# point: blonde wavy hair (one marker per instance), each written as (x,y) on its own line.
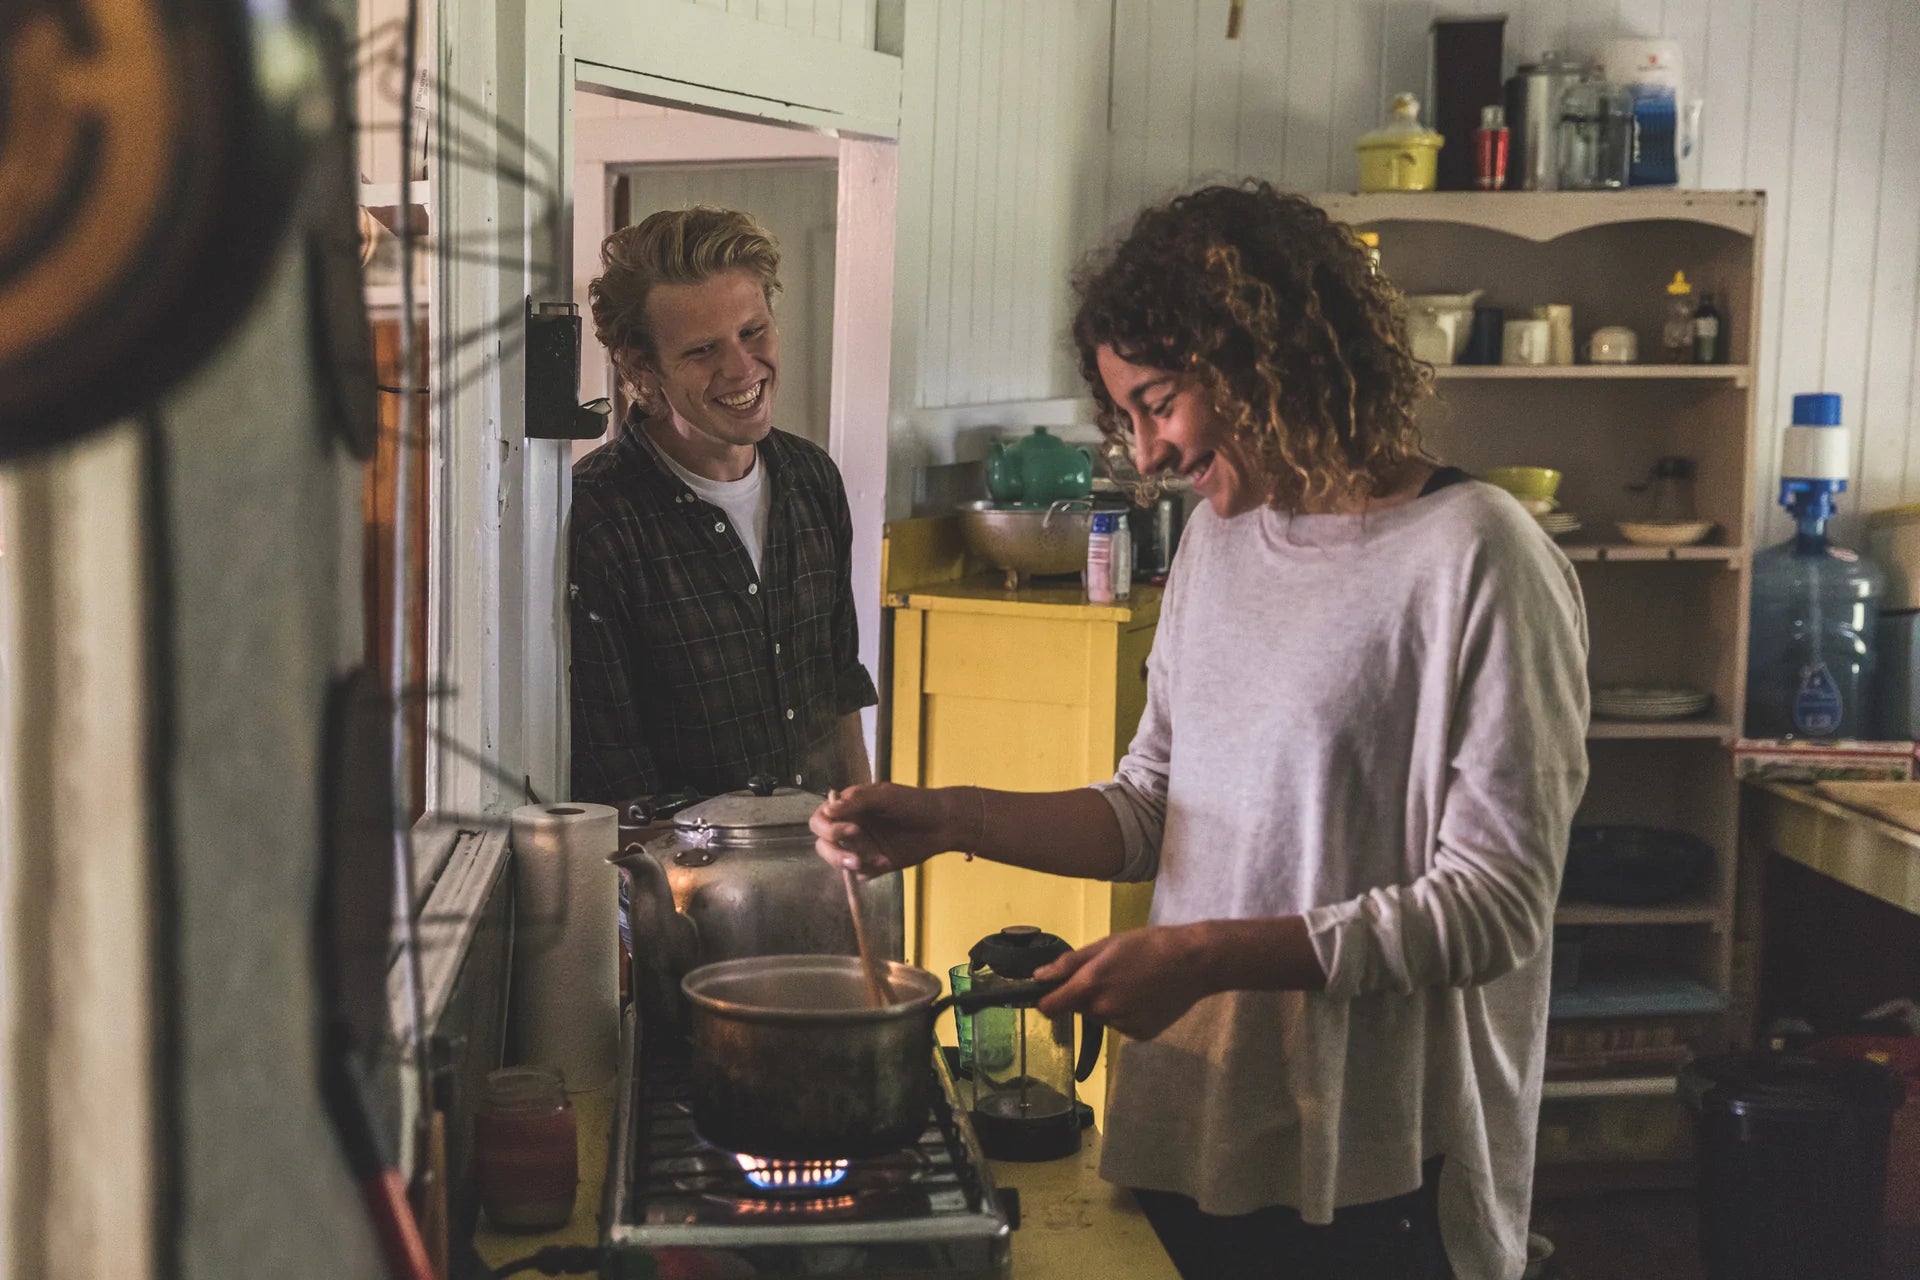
(673,246)
(1274,308)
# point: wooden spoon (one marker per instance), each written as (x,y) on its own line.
(879,993)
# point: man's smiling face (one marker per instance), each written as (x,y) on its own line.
(717,357)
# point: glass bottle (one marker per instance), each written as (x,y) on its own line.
(526,1149)
(1708,347)
(1669,492)
(1676,333)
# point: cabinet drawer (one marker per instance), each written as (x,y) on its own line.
(1009,659)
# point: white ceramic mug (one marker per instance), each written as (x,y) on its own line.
(1614,344)
(1526,342)
(1559,318)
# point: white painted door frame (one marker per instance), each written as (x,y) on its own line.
(499,565)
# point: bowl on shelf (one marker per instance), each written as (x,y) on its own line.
(1023,539)
(1630,866)
(1665,533)
(1529,484)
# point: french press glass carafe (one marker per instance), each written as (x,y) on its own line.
(1024,1065)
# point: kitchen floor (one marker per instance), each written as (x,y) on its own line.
(1653,1235)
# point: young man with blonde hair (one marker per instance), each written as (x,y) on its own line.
(713,623)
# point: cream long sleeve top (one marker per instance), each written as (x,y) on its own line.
(1377,722)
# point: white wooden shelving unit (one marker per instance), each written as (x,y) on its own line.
(1657,616)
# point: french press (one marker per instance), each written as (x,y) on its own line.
(1024,1065)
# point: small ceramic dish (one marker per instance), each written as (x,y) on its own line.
(1676,533)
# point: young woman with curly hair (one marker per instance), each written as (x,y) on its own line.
(1352,784)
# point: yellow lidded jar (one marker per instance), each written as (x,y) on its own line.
(1402,156)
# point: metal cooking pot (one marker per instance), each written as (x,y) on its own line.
(732,877)
(790,1062)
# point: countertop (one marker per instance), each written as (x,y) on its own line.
(987,593)
(1856,848)
(1072,1224)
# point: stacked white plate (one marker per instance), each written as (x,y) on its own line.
(1634,702)
(1559,524)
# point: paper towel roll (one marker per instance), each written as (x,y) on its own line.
(565,1005)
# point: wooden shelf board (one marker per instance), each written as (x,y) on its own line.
(1593,913)
(1739,375)
(1591,552)
(1546,215)
(1608,1087)
(1643,996)
(1692,727)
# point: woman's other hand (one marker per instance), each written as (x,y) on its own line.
(880,827)
(1139,982)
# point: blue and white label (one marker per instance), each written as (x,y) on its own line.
(1816,702)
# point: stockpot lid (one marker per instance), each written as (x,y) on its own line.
(1017,951)
(760,811)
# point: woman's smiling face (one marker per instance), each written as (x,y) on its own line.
(1177,431)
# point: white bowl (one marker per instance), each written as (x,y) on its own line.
(1674,533)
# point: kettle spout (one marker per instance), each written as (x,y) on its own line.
(660,939)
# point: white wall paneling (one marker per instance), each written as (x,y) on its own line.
(1805,99)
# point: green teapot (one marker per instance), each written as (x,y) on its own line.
(1040,468)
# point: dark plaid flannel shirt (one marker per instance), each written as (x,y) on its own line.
(688,669)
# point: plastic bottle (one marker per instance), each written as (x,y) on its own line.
(1100,558)
(1676,335)
(1810,654)
(1122,557)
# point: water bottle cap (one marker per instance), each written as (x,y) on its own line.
(1105,522)
(1819,409)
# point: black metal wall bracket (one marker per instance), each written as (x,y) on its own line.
(554,411)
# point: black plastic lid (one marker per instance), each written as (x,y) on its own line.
(1789,1084)
(1017,951)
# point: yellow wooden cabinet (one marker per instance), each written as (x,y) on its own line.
(1031,690)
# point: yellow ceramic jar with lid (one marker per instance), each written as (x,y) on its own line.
(1402,156)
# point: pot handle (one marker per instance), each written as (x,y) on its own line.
(1016,995)
(1091,1032)
(1013,995)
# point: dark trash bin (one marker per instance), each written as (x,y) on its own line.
(1793,1158)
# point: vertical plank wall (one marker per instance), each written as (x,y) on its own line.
(841,21)
(1018,151)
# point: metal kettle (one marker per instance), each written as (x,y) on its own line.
(737,876)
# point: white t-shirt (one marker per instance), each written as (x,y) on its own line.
(1378,723)
(746,501)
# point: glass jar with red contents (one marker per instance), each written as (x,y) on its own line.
(526,1149)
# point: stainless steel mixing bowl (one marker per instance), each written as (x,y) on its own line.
(1021,539)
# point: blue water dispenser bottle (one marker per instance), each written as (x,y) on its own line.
(1810,655)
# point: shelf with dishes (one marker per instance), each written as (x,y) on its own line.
(1738,375)
(1708,727)
(1642,1086)
(1592,914)
(1637,553)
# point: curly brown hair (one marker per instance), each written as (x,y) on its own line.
(1276,310)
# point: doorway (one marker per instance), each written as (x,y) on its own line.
(632,159)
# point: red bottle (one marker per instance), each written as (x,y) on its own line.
(1490,149)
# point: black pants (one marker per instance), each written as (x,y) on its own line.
(1397,1239)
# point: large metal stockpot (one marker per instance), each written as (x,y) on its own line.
(733,877)
(791,1062)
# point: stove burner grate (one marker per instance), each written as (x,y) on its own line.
(678,1176)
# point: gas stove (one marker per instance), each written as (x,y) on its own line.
(926,1212)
